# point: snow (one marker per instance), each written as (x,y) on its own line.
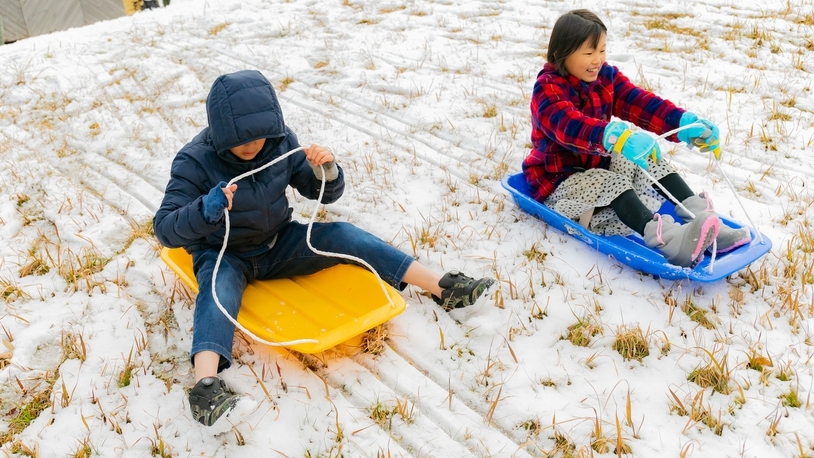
(403,92)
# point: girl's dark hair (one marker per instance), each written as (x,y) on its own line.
(570,31)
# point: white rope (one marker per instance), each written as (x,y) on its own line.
(341,255)
(671,197)
(307,239)
(752,224)
(663,189)
(737,197)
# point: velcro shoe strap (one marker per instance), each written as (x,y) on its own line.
(617,147)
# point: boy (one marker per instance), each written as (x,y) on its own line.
(246,131)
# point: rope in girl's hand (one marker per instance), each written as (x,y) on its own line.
(672,198)
(726,178)
(308,241)
(720,170)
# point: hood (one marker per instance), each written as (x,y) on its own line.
(242,107)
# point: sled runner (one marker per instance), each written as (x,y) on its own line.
(330,306)
(632,251)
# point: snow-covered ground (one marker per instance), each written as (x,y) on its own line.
(426,105)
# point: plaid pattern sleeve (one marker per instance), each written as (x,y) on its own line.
(643,108)
(568,120)
(567,128)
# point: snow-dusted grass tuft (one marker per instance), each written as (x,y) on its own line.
(631,343)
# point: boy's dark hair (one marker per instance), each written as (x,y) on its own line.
(570,31)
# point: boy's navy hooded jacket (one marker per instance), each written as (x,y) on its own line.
(241,107)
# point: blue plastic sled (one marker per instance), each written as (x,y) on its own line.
(632,251)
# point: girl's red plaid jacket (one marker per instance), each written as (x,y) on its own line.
(568,119)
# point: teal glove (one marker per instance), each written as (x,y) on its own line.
(705,136)
(634,146)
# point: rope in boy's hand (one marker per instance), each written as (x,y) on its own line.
(326,171)
(308,241)
(214,204)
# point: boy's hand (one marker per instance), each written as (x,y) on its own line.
(219,199)
(319,155)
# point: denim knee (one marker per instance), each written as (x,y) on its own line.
(389,262)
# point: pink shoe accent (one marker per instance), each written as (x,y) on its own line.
(737,244)
(659,223)
(713,224)
(710,206)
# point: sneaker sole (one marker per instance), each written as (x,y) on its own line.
(709,231)
(462,313)
(244,407)
(735,245)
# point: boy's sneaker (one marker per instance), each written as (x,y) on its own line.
(458,290)
(210,399)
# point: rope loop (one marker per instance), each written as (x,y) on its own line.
(308,241)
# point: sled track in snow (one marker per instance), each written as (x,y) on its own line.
(389,381)
(397,131)
(131,76)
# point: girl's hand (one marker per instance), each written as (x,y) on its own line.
(703,134)
(634,146)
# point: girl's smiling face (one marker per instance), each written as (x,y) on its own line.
(585,62)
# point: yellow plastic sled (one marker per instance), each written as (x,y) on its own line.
(330,306)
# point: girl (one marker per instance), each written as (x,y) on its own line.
(583,162)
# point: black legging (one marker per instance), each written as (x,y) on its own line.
(632,211)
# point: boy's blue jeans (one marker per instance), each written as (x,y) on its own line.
(290,256)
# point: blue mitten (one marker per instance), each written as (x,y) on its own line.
(704,134)
(215,203)
(634,146)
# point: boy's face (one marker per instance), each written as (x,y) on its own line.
(585,62)
(248,151)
